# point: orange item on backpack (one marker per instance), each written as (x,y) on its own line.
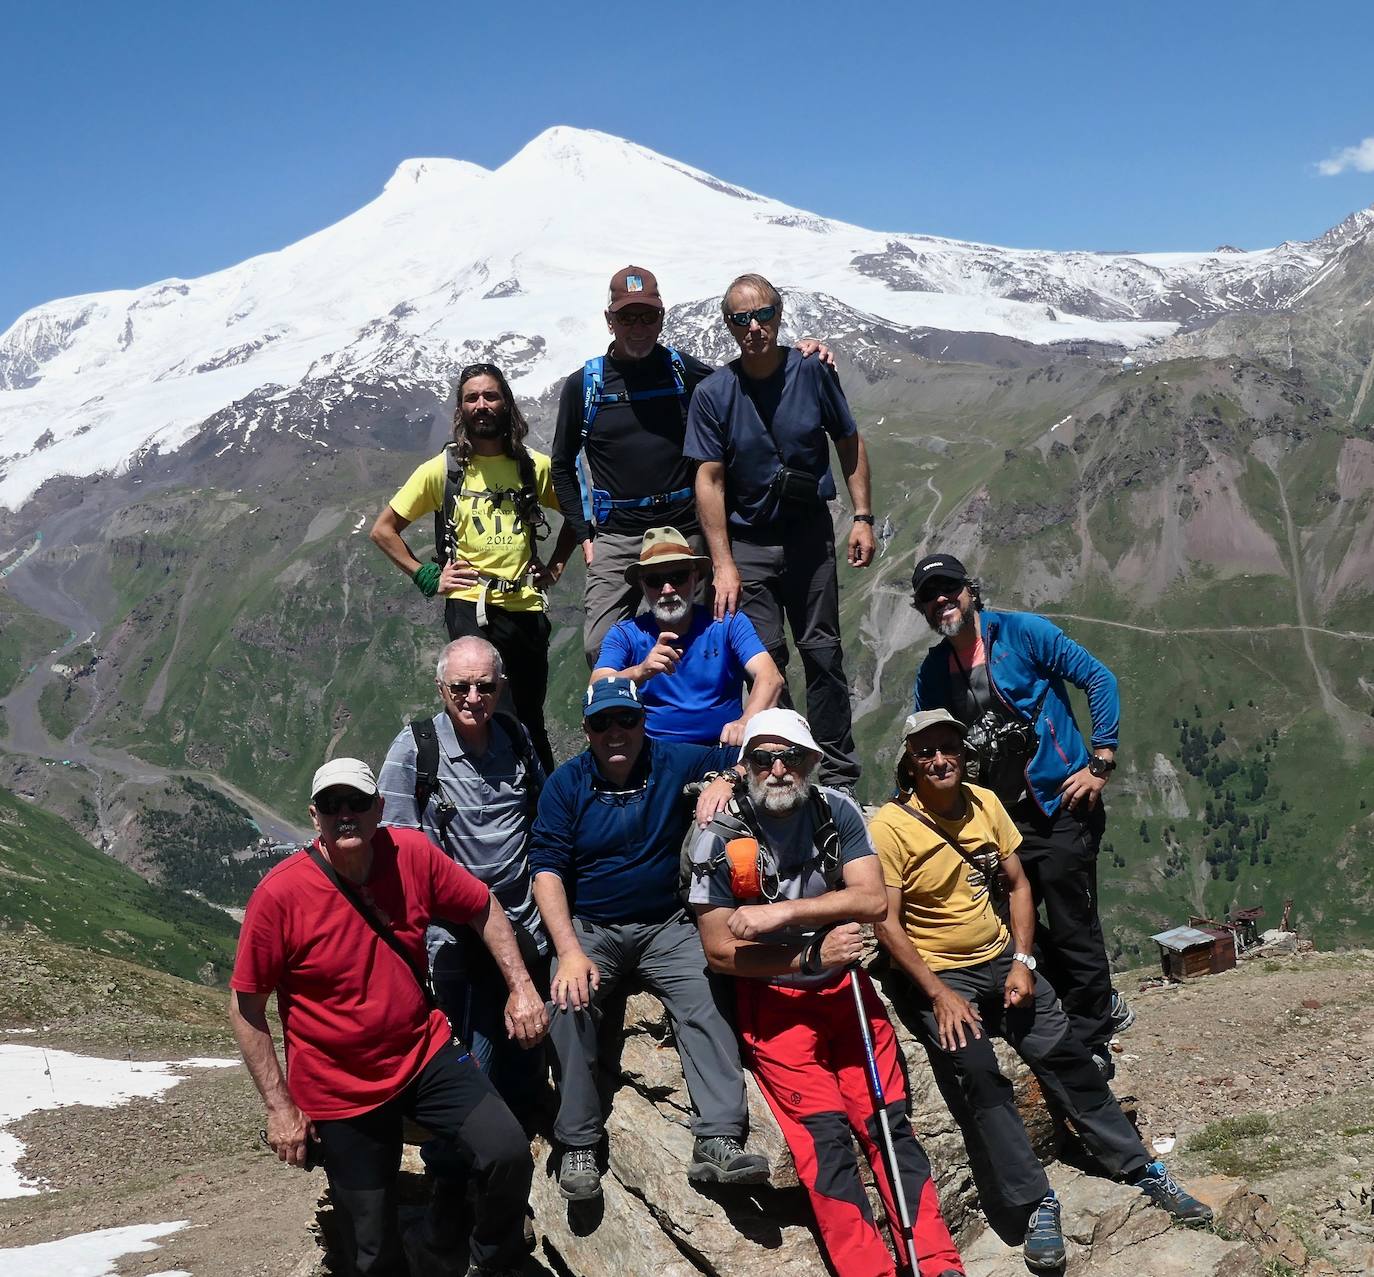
(743,855)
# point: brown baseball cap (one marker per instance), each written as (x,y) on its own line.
(634,286)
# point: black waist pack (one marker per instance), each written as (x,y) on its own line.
(798,487)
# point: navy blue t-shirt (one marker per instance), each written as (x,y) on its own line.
(730,419)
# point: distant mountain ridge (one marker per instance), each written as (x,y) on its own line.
(453,263)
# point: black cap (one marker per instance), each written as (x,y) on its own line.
(937,565)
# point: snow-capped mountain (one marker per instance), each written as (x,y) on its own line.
(453,263)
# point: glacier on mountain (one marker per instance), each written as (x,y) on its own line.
(453,262)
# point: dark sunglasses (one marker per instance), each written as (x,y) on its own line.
(929,751)
(762,760)
(625,718)
(932,589)
(676,579)
(479,370)
(333,804)
(642,318)
(459,691)
(743,318)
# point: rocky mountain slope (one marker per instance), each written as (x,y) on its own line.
(1199,514)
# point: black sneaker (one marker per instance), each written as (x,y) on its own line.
(721,1159)
(1044,1245)
(1164,1191)
(1102,1057)
(1122,1013)
(578,1178)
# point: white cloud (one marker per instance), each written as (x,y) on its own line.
(1360,158)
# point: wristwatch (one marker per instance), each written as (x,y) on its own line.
(864,518)
(1027,960)
(1101,767)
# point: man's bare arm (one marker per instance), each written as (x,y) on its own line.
(386,536)
(287,1126)
(577,977)
(526,1019)
(710,492)
(853,455)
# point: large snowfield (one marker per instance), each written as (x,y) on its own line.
(88,1254)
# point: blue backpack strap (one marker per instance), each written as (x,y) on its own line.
(593,383)
(679,367)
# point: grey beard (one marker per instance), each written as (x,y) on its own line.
(950,628)
(670,612)
(775,800)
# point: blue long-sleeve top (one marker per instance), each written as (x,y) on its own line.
(618,850)
(1030,658)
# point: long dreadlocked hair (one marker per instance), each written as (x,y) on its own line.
(516,425)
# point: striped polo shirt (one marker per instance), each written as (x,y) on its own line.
(489,827)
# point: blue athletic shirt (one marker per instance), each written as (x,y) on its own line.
(730,419)
(703,694)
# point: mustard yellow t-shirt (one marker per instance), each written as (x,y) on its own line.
(493,539)
(946,910)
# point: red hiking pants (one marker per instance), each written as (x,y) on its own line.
(804,1048)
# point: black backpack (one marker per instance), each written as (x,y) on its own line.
(525,499)
(427,767)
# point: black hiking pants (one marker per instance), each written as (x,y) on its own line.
(1059,855)
(522,638)
(451,1097)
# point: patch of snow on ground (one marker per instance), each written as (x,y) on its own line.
(87,1254)
(34,1078)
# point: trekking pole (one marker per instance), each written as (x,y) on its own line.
(875,1085)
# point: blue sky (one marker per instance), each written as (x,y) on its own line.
(148,140)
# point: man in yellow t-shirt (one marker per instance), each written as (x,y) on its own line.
(488,566)
(948,852)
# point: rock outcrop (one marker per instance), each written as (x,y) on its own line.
(651,1222)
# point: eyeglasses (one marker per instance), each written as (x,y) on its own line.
(762,760)
(459,691)
(932,589)
(642,318)
(479,370)
(626,718)
(743,318)
(676,579)
(332,804)
(928,752)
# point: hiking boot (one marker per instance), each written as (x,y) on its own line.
(578,1178)
(1102,1057)
(1122,1014)
(1044,1245)
(1164,1191)
(722,1160)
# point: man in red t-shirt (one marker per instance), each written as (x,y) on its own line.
(338,931)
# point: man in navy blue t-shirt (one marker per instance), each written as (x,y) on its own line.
(689,667)
(758,429)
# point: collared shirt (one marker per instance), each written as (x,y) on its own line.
(488,829)
(617,850)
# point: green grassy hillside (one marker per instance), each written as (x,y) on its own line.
(53,880)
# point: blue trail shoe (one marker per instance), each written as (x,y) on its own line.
(1164,1191)
(1044,1246)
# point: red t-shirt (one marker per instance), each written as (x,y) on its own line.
(356,1026)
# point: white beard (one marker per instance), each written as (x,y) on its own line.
(672,611)
(778,800)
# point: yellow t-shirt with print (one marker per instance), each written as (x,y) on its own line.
(947,912)
(493,539)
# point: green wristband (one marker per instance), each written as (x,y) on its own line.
(426,578)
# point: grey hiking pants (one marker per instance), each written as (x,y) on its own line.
(668,959)
(1040,1034)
